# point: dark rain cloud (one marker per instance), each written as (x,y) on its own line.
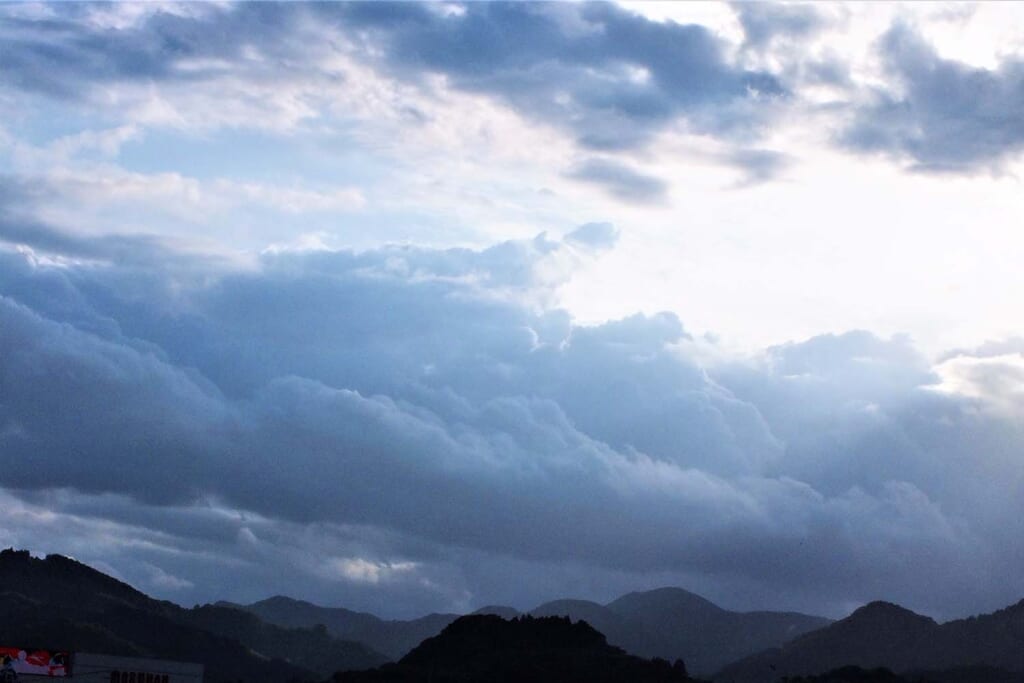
(945,116)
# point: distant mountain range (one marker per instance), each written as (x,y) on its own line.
(390,637)
(59,603)
(989,647)
(670,623)
(487,648)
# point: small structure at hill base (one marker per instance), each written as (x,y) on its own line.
(99,668)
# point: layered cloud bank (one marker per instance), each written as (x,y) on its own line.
(400,415)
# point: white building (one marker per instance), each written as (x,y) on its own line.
(94,668)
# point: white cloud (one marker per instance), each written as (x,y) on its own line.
(996,381)
(366,571)
(162,581)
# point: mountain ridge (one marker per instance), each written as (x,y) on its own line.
(391,637)
(885,635)
(668,622)
(485,647)
(69,605)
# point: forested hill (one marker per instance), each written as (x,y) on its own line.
(490,648)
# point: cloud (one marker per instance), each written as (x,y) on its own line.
(620,180)
(610,78)
(759,165)
(168,67)
(594,235)
(944,115)
(363,570)
(418,426)
(165,581)
(68,51)
(401,415)
(600,78)
(763,22)
(990,348)
(997,381)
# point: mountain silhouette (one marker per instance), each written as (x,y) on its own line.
(621,631)
(670,623)
(392,638)
(503,611)
(673,623)
(59,603)
(486,648)
(884,635)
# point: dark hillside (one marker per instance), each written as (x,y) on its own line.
(989,647)
(621,631)
(487,648)
(59,603)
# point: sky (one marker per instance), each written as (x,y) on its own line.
(427,306)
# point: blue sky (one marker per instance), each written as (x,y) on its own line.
(411,307)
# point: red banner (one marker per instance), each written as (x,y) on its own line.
(38,662)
